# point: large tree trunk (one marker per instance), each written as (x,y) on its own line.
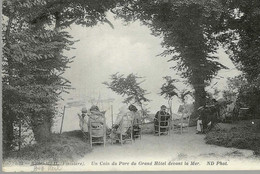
(42,130)
(8,133)
(7,116)
(199,95)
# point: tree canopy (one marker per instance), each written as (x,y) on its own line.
(240,35)
(34,61)
(188,29)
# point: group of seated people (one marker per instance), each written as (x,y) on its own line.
(121,125)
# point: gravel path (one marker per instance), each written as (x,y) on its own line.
(173,150)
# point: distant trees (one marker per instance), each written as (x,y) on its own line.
(130,87)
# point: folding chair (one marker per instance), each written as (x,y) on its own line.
(124,132)
(162,124)
(97,129)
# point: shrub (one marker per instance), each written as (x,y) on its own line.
(60,148)
(243,137)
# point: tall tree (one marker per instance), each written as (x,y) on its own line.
(33,60)
(240,31)
(188,31)
(240,34)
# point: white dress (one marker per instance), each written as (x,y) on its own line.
(83,122)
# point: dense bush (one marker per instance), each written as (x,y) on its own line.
(60,148)
(245,136)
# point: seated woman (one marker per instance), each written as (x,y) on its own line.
(166,117)
(136,121)
(96,121)
(124,120)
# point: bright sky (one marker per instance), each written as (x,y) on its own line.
(103,51)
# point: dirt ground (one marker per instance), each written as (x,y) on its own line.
(174,148)
(187,151)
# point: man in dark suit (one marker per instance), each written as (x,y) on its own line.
(166,116)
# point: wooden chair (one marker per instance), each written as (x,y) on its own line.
(97,129)
(164,124)
(125,130)
(183,123)
(137,131)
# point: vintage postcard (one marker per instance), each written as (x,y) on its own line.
(122,85)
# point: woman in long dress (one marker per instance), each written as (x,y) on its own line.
(124,121)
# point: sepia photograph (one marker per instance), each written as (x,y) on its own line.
(130,85)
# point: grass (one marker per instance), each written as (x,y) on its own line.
(242,135)
(60,148)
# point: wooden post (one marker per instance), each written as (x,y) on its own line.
(63,114)
(159,124)
(171,121)
(181,122)
(112,115)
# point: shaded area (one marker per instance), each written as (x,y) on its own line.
(243,135)
(68,146)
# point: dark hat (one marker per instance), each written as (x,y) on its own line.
(132,108)
(214,100)
(94,108)
(163,106)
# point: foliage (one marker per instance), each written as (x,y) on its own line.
(129,87)
(245,137)
(188,29)
(240,32)
(183,95)
(234,85)
(33,59)
(240,36)
(168,89)
(249,96)
(66,147)
(245,94)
